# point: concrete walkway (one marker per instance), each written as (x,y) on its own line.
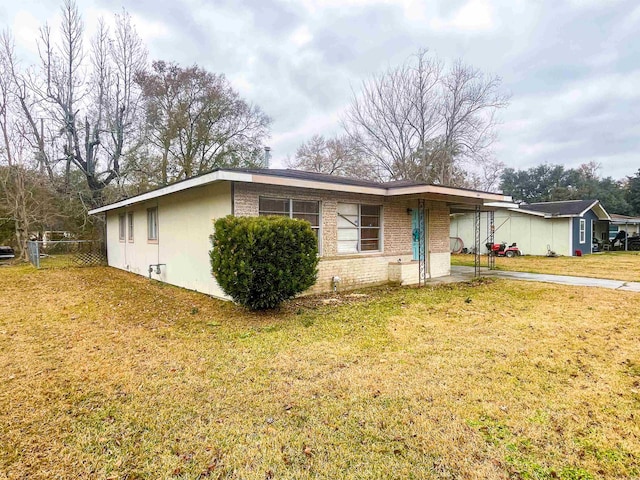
(543,277)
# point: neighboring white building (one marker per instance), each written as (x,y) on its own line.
(368,232)
(563,227)
(631,225)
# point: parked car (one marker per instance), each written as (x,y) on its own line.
(6,253)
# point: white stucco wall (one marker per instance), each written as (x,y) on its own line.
(185,222)
(530,232)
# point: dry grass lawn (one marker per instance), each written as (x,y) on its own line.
(613,265)
(104,374)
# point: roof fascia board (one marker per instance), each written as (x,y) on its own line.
(605,215)
(625,222)
(433,191)
(381,191)
(217,176)
(300,183)
(502,205)
(529,212)
(448,191)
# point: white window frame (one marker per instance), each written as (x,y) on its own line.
(122,226)
(291,213)
(358,227)
(583,230)
(130,227)
(152,225)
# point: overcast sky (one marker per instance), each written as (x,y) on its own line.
(572,67)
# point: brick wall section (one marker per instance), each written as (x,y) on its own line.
(396,221)
(368,268)
(439,228)
(354,271)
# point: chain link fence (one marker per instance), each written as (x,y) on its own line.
(66,253)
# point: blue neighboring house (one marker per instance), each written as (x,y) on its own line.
(566,227)
(589,221)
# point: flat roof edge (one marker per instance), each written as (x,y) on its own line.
(216,176)
(267,179)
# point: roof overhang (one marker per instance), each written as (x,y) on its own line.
(599,210)
(531,212)
(434,192)
(206,179)
(627,221)
(462,208)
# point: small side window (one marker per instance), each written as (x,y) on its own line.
(130,226)
(121,227)
(152,224)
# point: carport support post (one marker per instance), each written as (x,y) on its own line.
(626,236)
(491,235)
(422,243)
(476,242)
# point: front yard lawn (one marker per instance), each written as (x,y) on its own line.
(613,265)
(104,374)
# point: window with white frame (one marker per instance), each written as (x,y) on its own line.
(358,228)
(130,226)
(121,226)
(308,210)
(152,224)
(583,230)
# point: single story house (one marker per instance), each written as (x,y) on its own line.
(564,227)
(368,232)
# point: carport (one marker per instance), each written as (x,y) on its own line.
(480,238)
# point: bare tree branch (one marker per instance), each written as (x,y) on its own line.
(419,122)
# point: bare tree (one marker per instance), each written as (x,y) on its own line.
(88,99)
(24,107)
(333,156)
(470,102)
(396,114)
(421,122)
(6,94)
(28,200)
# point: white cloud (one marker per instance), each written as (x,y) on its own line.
(150,30)
(26,30)
(593,3)
(285,144)
(631,23)
(301,36)
(474,16)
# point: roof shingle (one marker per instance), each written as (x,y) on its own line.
(568,207)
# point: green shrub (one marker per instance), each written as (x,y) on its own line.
(262,261)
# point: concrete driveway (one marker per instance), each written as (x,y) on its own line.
(543,277)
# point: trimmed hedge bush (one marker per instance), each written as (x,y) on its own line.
(262,261)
